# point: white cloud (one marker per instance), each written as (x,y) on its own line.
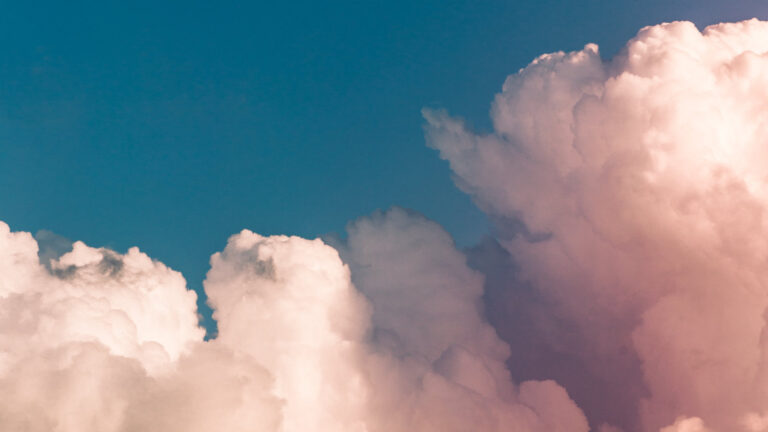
(648,173)
(639,189)
(98,341)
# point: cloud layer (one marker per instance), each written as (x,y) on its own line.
(629,272)
(638,191)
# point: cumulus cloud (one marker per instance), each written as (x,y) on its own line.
(628,272)
(431,339)
(640,186)
(93,340)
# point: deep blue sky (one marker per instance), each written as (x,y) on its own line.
(173,125)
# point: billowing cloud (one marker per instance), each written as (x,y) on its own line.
(445,363)
(638,189)
(93,340)
(628,272)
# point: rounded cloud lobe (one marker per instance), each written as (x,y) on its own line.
(632,197)
(628,273)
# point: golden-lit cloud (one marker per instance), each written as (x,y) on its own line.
(98,341)
(627,284)
(639,190)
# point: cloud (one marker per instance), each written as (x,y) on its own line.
(432,339)
(628,272)
(99,341)
(641,186)
(693,424)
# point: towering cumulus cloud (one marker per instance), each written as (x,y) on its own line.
(632,196)
(630,273)
(98,341)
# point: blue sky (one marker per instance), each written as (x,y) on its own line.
(173,126)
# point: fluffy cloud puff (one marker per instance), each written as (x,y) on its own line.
(638,191)
(98,341)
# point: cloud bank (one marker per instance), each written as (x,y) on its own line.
(626,285)
(631,196)
(99,341)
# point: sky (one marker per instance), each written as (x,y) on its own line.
(172,126)
(422,217)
